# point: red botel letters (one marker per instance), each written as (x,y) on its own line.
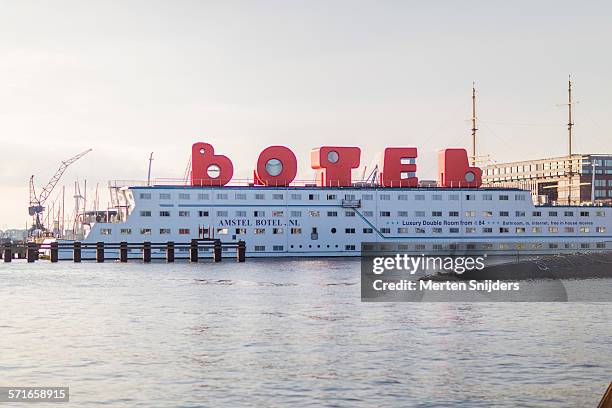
(209,169)
(334,165)
(455,171)
(276,166)
(399,161)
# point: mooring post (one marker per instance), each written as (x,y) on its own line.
(606,400)
(170,251)
(123,251)
(241,251)
(54,251)
(31,250)
(217,251)
(7,254)
(193,250)
(100,252)
(146,252)
(76,251)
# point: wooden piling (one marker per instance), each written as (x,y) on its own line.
(7,252)
(123,251)
(76,251)
(193,250)
(606,401)
(146,252)
(31,251)
(217,253)
(170,251)
(241,251)
(99,252)
(54,251)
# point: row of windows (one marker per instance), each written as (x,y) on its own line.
(145,231)
(602,162)
(205,231)
(318,196)
(602,193)
(257,196)
(597,171)
(223,213)
(552,165)
(316,213)
(503,245)
(421,247)
(400,230)
(562,166)
(262,248)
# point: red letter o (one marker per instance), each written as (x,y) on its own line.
(276,166)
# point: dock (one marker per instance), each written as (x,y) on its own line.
(120,251)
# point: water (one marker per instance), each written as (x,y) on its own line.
(288,333)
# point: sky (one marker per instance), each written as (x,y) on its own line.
(127,78)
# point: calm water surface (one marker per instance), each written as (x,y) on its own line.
(288,333)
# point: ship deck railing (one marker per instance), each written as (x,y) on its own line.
(302,183)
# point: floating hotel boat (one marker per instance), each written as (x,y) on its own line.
(332,216)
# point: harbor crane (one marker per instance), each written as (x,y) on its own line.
(37,202)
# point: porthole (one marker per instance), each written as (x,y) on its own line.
(333,156)
(213,171)
(274,167)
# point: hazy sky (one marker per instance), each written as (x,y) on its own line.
(130,77)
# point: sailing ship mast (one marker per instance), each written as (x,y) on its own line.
(570,125)
(474,128)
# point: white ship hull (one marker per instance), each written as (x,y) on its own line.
(317,222)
